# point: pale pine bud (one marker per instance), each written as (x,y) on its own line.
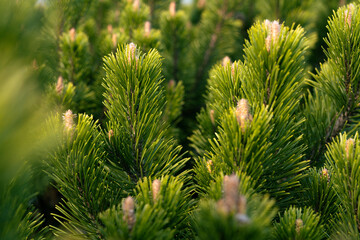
(171,84)
(221,206)
(348,14)
(349,145)
(110,28)
(172,9)
(35,65)
(243,115)
(130,51)
(268,38)
(212,116)
(188,25)
(298,225)
(110,134)
(325,174)
(72,34)
(242,205)
(214,37)
(231,186)
(136,5)
(225,61)
(275,30)
(156,189)
(68,118)
(209,164)
(347,17)
(117,13)
(114,40)
(201,4)
(129,212)
(268,43)
(60,85)
(268,25)
(233,69)
(147,29)
(128,206)
(241,216)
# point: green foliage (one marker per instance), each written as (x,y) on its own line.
(77,167)
(19,44)
(17,128)
(147,38)
(310,14)
(338,77)
(157,7)
(342,38)
(161,212)
(317,124)
(271,75)
(247,149)
(174,101)
(73,12)
(319,194)
(262,117)
(275,63)
(215,189)
(18,217)
(214,224)
(134,15)
(150,224)
(235,149)
(19,101)
(297,223)
(135,100)
(234,216)
(173,197)
(343,159)
(223,92)
(216,37)
(74,56)
(22,116)
(306,13)
(75,68)
(60,96)
(175,38)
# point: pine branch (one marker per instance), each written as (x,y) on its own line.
(135,103)
(342,158)
(343,86)
(235,213)
(81,177)
(223,16)
(175,38)
(297,223)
